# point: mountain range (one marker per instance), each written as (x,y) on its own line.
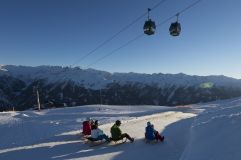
(65,86)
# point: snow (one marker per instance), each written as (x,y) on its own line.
(2,68)
(8,118)
(208,131)
(217,132)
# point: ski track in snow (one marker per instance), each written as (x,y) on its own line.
(193,132)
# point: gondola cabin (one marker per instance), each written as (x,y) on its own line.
(175,29)
(149,27)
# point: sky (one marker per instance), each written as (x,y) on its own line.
(61,32)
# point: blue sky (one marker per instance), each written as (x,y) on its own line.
(60,32)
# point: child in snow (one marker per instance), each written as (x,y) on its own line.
(117,134)
(87,127)
(152,134)
(97,134)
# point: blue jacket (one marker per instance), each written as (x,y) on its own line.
(150,133)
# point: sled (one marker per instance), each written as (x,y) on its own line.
(96,143)
(91,142)
(118,142)
(154,141)
(83,137)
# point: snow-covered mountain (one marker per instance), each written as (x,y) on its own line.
(76,86)
(95,79)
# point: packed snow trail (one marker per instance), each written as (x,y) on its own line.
(54,134)
(171,148)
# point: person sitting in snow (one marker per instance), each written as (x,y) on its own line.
(97,134)
(116,133)
(87,127)
(152,134)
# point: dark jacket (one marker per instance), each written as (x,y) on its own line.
(115,132)
(150,132)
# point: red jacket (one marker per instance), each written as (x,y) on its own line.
(86,128)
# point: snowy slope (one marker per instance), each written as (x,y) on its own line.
(215,133)
(53,134)
(95,79)
(196,132)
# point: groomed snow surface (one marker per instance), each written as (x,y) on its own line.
(195,132)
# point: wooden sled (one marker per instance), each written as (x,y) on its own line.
(118,142)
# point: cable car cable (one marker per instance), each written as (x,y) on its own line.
(115,50)
(139,36)
(134,39)
(108,40)
(116,34)
(180,12)
(157,5)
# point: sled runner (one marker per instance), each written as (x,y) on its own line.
(118,141)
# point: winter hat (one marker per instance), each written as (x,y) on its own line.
(148,123)
(118,122)
(96,122)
